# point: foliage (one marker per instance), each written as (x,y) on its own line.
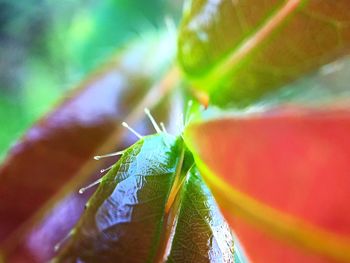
(272,146)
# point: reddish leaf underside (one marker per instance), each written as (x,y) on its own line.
(282,180)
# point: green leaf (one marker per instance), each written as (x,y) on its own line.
(201,234)
(138,213)
(240,50)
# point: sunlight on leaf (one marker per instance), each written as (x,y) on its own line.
(240,50)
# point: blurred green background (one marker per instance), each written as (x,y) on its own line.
(47,47)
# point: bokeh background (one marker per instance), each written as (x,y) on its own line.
(47,47)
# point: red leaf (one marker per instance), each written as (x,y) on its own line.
(282,180)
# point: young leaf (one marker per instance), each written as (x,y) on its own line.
(55,157)
(133,217)
(239,50)
(39,180)
(281,178)
(200,227)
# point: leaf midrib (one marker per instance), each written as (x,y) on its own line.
(170,216)
(248,45)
